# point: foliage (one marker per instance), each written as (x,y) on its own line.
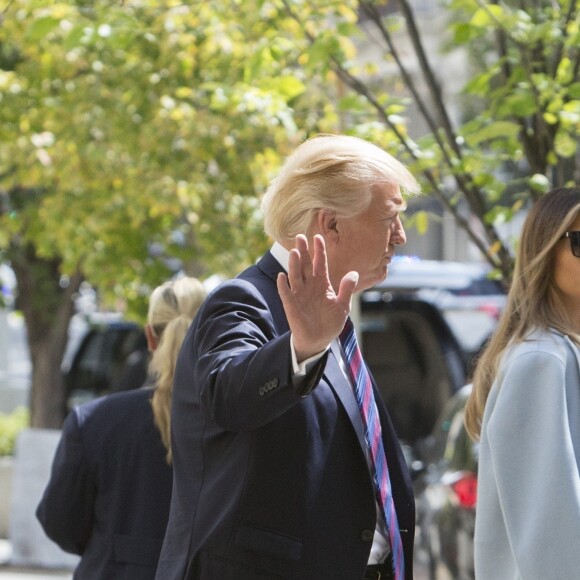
(134,131)
(147,129)
(10,425)
(138,136)
(519,131)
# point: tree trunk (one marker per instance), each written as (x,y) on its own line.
(46,299)
(47,395)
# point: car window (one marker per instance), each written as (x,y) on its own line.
(479,287)
(88,371)
(406,358)
(100,364)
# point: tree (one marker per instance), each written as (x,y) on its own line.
(129,133)
(522,132)
(139,131)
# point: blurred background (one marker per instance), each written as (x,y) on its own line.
(136,140)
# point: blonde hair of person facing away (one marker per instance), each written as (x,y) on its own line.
(172,307)
(335,172)
(535,301)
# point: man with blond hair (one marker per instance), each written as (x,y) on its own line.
(286,464)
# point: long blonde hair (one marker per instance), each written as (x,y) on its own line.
(172,307)
(534,300)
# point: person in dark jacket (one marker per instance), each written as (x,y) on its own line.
(108,496)
(273,474)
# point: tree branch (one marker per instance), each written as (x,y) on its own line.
(502,259)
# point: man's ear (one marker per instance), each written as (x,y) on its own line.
(327,224)
(152,341)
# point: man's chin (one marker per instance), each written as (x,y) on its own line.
(383,276)
(368,283)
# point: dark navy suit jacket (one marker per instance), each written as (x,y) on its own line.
(110,488)
(268,484)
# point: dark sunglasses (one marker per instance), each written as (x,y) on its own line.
(574,241)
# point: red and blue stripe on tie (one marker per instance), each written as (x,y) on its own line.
(366,400)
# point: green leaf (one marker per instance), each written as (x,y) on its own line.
(565,71)
(479,84)
(539,182)
(10,425)
(348,29)
(564,145)
(520,104)
(574,91)
(422,222)
(288,86)
(499,215)
(488,16)
(73,38)
(40,28)
(496,130)
(462,33)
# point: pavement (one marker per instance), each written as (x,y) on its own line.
(8,572)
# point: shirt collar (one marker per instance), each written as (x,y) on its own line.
(281,255)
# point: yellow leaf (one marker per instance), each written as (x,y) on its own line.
(494,248)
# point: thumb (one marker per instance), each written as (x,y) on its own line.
(346,289)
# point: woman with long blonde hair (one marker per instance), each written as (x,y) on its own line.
(172,307)
(109,493)
(525,407)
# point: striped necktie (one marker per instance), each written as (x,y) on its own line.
(366,401)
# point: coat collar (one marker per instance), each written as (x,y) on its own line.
(269,266)
(337,381)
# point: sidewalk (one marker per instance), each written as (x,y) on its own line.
(8,572)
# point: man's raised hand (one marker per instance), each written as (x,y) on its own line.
(316,313)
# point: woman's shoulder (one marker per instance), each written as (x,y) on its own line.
(115,404)
(542,344)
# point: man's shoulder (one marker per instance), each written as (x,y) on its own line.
(258,280)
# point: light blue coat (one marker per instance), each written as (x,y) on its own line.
(528,509)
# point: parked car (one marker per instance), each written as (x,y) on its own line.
(465,293)
(111,356)
(446,495)
(415,359)
(411,350)
(409,342)
(446,283)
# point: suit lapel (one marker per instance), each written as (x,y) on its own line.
(338,382)
(269,267)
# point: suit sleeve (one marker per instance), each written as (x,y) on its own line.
(536,470)
(66,510)
(242,365)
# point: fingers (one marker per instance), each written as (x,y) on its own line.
(346,289)
(320,262)
(283,286)
(295,267)
(299,262)
(304,265)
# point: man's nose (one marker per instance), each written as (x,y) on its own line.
(398,236)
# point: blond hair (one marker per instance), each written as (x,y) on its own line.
(172,307)
(335,172)
(534,300)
